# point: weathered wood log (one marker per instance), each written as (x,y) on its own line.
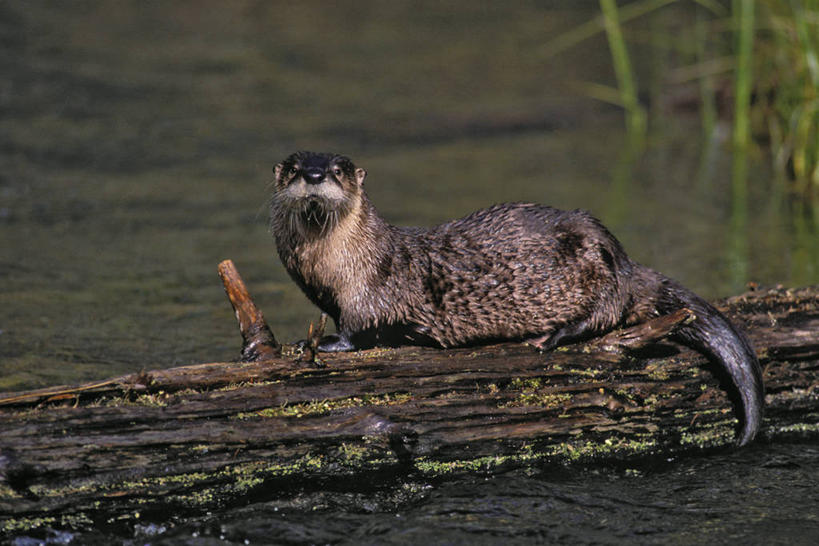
(199,437)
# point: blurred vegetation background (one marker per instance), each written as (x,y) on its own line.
(137,140)
(755,62)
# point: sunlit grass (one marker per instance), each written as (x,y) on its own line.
(788,88)
(766,54)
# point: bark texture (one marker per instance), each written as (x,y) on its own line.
(199,437)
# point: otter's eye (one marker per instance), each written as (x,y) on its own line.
(337,171)
(293,170)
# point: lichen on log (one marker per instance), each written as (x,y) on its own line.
(199,437)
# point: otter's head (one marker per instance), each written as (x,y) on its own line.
(314,192)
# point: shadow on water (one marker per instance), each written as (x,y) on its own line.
(136,142)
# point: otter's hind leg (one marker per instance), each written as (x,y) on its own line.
(566,333)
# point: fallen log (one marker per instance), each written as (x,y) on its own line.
(199,437)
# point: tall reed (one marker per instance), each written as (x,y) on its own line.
(743,19)
(635,114)
(788,88)
(743,11)
(774,60)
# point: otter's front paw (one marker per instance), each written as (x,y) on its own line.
(335,343)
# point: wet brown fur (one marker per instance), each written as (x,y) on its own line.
(511,271)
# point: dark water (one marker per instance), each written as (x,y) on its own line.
(686,502)
(136,142)
(137,139)
(760,495)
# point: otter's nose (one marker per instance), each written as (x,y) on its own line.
(313,176)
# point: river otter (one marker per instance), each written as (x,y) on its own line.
(515,271)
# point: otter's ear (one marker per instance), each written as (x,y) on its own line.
(360,174)
(277,171)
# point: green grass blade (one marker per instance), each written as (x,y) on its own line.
(635,114)
(591,28)
(744,16)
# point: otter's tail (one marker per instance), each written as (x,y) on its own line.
(714,335)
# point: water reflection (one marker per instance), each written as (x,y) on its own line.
(738,250)
(137,143)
